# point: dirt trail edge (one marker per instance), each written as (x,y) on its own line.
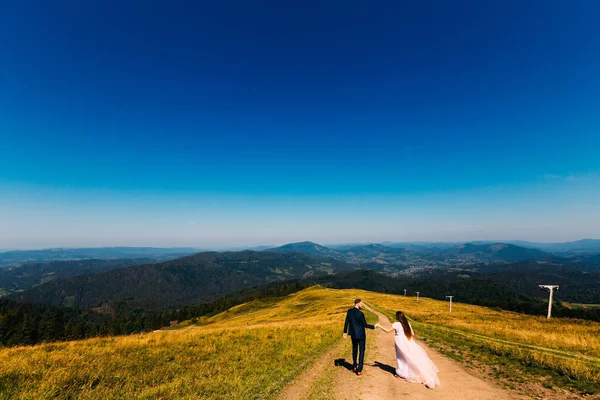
(380,382)
(301,387)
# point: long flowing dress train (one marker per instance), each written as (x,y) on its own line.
(413,363)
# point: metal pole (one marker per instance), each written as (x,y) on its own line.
(450,297)
(550,303)
(405,292)
(417,295)
(551,289)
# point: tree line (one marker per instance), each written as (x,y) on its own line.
(28,324)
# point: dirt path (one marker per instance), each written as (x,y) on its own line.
(379,381)
(301,387)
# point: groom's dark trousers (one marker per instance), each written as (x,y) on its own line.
(358,347)
(355,325)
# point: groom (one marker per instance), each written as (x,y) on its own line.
(355,326)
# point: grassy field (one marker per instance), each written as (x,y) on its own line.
(249,352)
(557,352)
(252,351)
(580,305)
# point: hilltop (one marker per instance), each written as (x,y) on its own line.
(310,248)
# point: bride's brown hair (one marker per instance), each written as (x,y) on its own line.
(407,329)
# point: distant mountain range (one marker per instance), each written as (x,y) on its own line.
(360,252)
(578,247)
(494,252)
(584,246)
(20,257)
(205,276)
(388,255)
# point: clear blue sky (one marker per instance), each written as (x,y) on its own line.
(226,123)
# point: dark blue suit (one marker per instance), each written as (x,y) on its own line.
(355,326)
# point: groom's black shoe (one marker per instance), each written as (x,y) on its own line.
(355,369)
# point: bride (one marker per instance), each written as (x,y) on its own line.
(413,363)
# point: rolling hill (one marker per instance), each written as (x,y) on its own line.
(206,276)
(368,256)
(201,277)
(377,253)
(577,247)
(23,277)
(524,277)
(309,248)
(514,290)
(494,252)
(510,286)
(567,249)
(255,349)
(393,259)
(587,262)
(476,290)
(250,351)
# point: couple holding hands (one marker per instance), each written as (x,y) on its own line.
(413,363)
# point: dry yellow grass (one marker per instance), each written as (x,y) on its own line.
(252,351)
(567,347)
(249,352)
(578,336)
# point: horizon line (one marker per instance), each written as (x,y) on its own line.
(249,247)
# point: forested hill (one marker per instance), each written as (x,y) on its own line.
(201,277)
(26,276)
(576,285)
(477,289)
(148,296)
(494,252)
(395,257)
(310,248)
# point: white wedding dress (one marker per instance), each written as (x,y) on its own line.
(413,363)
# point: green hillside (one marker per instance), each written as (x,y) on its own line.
(186,280)
(253,350)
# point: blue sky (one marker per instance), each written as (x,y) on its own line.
(241,123)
